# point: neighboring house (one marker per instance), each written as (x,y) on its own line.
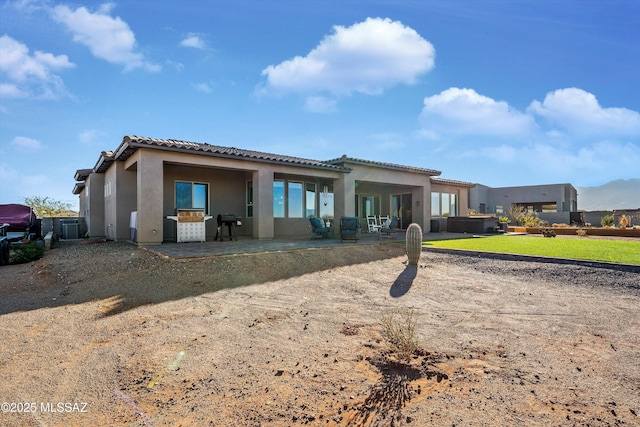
(273,194)
(533,198)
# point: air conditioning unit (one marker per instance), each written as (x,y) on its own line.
(69,229)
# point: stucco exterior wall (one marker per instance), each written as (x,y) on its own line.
(93,210)
(563,195)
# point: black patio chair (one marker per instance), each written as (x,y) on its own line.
(318,227)
(350,228)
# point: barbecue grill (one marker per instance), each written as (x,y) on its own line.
(191,225)
(230,221)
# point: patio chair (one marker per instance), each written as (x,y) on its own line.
(318,227)
(383,218)
(372,224)
(389,227)
(349,228)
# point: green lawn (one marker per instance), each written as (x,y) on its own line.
(619,251)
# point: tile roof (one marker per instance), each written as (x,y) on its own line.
(438,180)
(131,143)
(384,165)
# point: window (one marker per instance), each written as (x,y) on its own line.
(435,204)
(297,199)
(310,200)
(453,207)
(192,195)
(445,208)
(326,202)
(278,199)
(444,204)
(249,199)
(370,205)
(294,198)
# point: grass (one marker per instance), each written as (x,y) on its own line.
(617,251)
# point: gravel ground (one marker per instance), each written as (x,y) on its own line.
(108,334)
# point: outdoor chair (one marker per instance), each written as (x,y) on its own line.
(350,228)
(389,227)
(372,224)
(318,227)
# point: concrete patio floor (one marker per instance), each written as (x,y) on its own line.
(249,245)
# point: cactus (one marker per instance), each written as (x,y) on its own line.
(414,243)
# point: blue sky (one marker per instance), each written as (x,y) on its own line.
(496,92)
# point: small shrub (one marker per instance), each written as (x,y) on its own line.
(26,252)
(607,221)
(548,233)
(504,219)
(399,331)
(581,232)
(531,221)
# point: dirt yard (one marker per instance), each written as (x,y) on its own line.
(108,334)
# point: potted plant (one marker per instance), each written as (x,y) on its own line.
(504,223)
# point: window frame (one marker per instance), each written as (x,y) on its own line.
(193,185)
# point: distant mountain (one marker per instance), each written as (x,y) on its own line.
(618,194)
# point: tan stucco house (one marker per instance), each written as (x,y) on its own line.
(273,194)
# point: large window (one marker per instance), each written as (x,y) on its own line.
(278,199)
(310,199)
(295,208)
(192,195)
(444,204)
(326,203)
(370,205)
(435,204)
(298,199)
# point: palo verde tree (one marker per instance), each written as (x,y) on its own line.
(47,207)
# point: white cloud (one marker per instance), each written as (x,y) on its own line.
(320,104)
(464,112)
(193,41)
(106,37)
(25,143)
(567,138)
(203,87)
(30,75)
(367,57)
(8,90)
(579,113)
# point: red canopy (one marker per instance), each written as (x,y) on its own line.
(18,217)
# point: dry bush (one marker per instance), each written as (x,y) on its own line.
(561,225)
(581,232)
(399,331)
(624,221)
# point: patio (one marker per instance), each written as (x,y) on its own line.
(248,245)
